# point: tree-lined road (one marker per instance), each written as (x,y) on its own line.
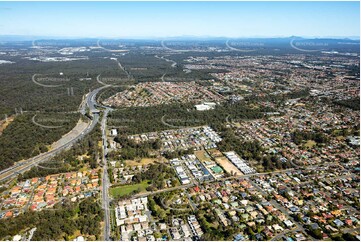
(23,166)
(105,177)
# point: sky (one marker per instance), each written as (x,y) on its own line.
(169,19)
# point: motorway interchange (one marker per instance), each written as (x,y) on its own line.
(88,102)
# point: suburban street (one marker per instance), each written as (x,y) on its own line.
(88,102)
(182,121)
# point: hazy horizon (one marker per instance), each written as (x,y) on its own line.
(185,37)
(178,19)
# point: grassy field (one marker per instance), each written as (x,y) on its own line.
(127,189)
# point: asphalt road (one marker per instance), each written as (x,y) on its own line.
(105,178)
(21,167)
(90,102)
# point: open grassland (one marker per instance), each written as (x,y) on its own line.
(128,189)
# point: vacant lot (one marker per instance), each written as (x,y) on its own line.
(214,153)
(128,189)
(143,161)
(202,155)
(228,166)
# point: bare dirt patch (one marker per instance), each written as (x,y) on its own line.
(5,123)
(214,153)
(143,161)
(228,166)
(202,155)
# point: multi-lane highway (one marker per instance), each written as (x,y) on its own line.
(21,167)
(105,178)
(88,102)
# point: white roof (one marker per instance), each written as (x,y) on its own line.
(17,237)
(79,238)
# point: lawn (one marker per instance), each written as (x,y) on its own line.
(128,189)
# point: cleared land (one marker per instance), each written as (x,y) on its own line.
(143,161)
(228,166)
(214,153)
(5,123)
(128,189)
(202,155)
